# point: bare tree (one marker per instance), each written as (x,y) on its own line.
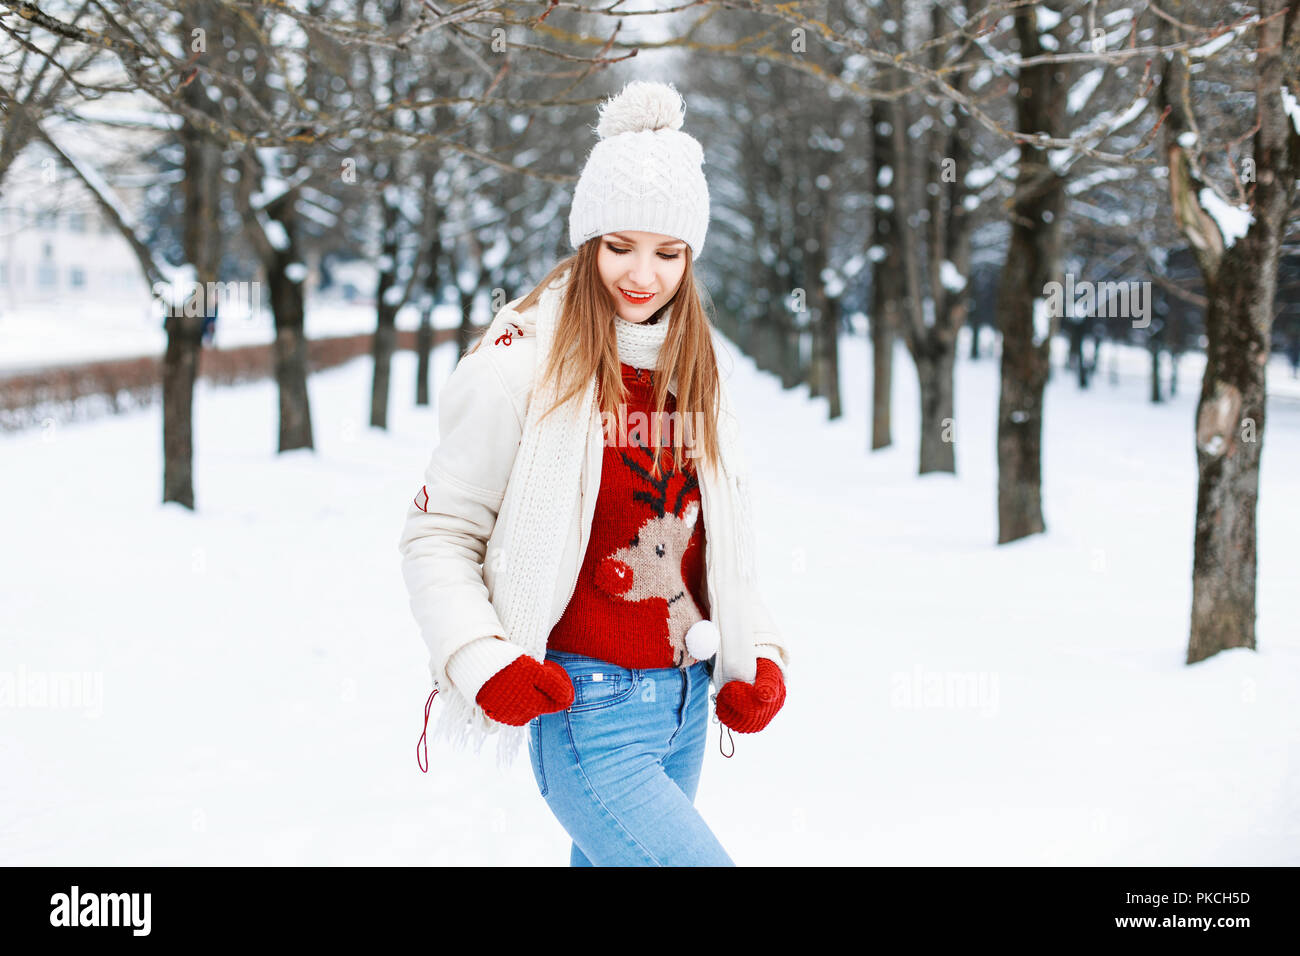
(202,248)
(887,273)
(36,84)
(1240,275)
(1033,260)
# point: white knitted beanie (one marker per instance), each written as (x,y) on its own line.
(644,174)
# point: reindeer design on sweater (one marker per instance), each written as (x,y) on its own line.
(650,566)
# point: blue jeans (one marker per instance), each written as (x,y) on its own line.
(620,767)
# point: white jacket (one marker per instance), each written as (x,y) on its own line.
(450,539)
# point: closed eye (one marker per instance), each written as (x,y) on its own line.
(618,252)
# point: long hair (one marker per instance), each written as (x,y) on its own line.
(586,327)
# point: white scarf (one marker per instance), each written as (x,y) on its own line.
(544,491)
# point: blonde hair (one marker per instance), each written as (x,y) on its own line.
(587,323)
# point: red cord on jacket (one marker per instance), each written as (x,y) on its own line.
(424,767)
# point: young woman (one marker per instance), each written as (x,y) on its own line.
(580,558)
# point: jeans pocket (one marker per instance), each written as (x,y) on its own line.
(535,752)
(593,690)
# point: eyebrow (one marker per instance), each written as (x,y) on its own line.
(670,242)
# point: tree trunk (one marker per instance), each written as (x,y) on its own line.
(1033,259)
(886,285)
(1074,358)
(1156,396)
(768,333)
(202,246)
(938,358)
(466,332)
(283,276)
(282,262)
(423,346)
(884,322)
(385,339)
(934,373)
(15,136)
(179,373)
(424,335)
(830,355)
(824,328)
(1241,285)
(1229,440)
(932,312)
(790,367)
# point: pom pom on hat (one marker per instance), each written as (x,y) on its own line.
(640,106)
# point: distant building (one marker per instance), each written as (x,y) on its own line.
(55,251)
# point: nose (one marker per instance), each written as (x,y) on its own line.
(613,576)
(642,272)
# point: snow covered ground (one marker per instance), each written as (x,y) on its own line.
(256,684)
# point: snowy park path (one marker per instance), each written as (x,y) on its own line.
(255,682)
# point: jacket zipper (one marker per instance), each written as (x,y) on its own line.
(572,591)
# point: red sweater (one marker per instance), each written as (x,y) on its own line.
(641,585)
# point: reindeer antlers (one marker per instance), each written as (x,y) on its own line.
(658,499)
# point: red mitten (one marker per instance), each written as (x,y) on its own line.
(523,689)
(747,708)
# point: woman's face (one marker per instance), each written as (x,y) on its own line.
(632,262)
